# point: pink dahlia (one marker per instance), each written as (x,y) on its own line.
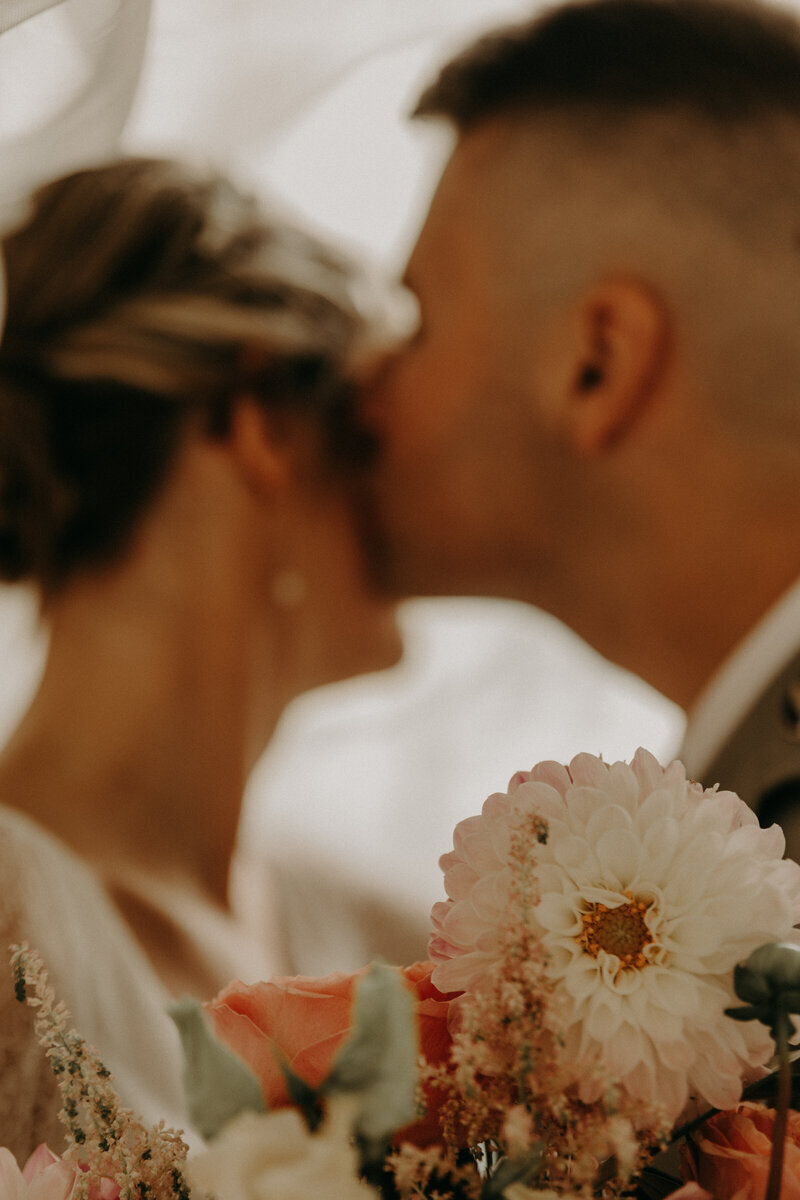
(647,892)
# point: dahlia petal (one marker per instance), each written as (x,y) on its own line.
(575,856)
(459,880)
(638,1009)
(685,882)
(752,840)
(611,897)
(676,1055)
(657,805)
(606,817)
(489,896)
(516,779)
(624,786)
(560,959)
(582,803)
(642,1083)
(624,1050)
(540,798)
(696,936)
(660,845)
(500,840)
(456,974)
(718,1090)
(463,830)
(671,1029)
(558,913)
(461,925)
(488,942)
(741,915)
(440,950)
(589,770)
(625,982)
(477,851)
(671,1089)
(551,878)
(648,771)
(554,773)
(618,854)
(733,809)
(676,991)
(674,776)
(581,980)
(495,807)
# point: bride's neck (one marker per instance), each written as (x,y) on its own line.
(151,711)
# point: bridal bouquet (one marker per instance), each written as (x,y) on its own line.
(603,924)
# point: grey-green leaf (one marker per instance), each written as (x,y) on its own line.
(379,1060)
(218,1085)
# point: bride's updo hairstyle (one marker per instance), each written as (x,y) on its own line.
(142,300)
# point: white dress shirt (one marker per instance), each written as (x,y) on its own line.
(739,682)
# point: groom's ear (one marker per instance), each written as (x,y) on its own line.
(609,358)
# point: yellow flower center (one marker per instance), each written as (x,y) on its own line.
(621,931)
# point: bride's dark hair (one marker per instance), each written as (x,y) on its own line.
(143,298)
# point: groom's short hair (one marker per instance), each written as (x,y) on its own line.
(725,59)
(665,133)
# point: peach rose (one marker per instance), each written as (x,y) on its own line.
(690,1191)
(309,1020)
(731,1154)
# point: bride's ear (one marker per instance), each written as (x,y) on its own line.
(262,453)
(611,358)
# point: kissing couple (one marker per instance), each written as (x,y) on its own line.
(220,467)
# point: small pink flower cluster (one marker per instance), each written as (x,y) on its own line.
(45,1176)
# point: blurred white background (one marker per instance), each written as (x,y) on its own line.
(307,99)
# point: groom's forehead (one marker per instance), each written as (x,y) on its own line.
(450,251)
(466,198)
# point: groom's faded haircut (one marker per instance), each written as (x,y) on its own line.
(726,60)
(663,133)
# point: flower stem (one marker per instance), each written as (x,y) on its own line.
(781,1034)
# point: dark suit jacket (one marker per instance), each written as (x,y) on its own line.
(760,760)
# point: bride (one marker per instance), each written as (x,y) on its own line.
(175,446)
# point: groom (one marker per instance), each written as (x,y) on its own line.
(600,413)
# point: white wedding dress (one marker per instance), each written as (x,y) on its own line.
(52,901)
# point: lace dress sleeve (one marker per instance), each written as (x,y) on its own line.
(29,1101)
(50,899)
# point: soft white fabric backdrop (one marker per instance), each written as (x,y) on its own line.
(359,793)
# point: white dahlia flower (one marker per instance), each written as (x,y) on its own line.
(649,890)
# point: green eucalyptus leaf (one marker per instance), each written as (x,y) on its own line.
(218,1085)
(379,1060)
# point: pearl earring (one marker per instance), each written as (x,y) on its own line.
(288,589)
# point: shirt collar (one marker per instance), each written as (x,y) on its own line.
(741,679)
